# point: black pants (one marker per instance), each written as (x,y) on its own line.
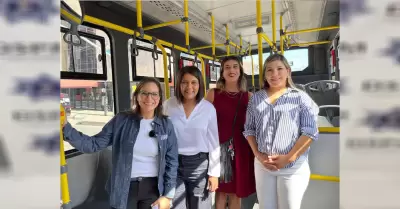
(142,193)
(191,185)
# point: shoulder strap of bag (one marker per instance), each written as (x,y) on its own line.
(234,119)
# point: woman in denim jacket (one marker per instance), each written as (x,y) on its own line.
(145,151)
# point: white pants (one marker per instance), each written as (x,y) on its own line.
(283,189)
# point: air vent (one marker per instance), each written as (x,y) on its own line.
(250,21)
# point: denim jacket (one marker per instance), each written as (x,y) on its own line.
(121,132)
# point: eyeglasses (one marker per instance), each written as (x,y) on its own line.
(154,95)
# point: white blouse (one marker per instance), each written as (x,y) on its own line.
(198,133)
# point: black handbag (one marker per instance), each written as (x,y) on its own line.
(228,153)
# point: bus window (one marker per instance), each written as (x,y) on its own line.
(88,101)
(297,58)
(146,66)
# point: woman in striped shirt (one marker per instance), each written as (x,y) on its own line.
(281,123)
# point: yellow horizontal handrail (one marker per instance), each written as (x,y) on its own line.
(329,129)
(311,43)
(324,178)
(206,47)
(71,17)
(311,30)
(269,42)
(175,22)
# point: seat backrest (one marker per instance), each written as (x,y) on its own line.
(336,121)
(300,86)
(324,92)
(331,113)
(324,122)
(329,110)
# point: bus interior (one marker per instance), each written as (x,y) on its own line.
(107,47)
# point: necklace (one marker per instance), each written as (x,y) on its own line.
(232,93)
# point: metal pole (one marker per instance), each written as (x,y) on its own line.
(213,35)
(164,24)
(311,30)
(228,47)
(139,13)
(186,13)
(252,68)
(166,80)
(66,202)
(203,73)
(281,33)
(259,41)
(273,22)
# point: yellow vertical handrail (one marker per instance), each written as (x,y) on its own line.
(228,47)
(273,22)
(186,14)
(259,41)
(281,33)
(252,67)
(240,44)
(139,13)
(165,64)
(63,165)
(213,35)
(203,73)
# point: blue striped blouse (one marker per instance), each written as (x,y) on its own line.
(277,127)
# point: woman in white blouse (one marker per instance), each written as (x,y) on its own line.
(195,123)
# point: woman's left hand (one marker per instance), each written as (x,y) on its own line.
(162,202)
(212,183)
(280,161)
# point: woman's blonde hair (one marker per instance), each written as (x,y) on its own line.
(242,83)
(275,57)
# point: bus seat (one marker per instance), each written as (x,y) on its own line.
(324,122)
(324,92)
(330,113)
(95,196)
(336,121)
(300,86)
(81,175)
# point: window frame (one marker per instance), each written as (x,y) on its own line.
(138,78)
(91,76)
(88,76)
